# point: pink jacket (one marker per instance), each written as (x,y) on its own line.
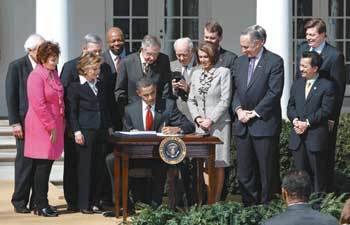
(45,112)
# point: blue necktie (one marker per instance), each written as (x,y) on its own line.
(250,69)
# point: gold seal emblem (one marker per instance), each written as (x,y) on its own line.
(172,150)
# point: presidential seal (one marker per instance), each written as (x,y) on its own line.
(172,150)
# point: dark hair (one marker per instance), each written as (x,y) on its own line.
(144,82)
(210,49)
(214,27)
(47,49)
(86,59)
(297,184)
(316,59)
(318,23)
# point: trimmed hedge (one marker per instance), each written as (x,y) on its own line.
(235,213)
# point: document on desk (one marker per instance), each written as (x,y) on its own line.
(135,133)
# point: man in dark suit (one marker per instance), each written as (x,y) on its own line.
(148,62)
(213,33)
(309,109)
(296,189)
(165,117)
(17,105)
(259,84)
(69,74)
(333,69)
(113,57)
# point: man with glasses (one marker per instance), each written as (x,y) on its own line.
(149,62)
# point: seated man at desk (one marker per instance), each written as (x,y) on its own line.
(153,114)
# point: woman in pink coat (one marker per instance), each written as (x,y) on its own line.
(44,123)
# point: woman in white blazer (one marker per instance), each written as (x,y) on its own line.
(209,100)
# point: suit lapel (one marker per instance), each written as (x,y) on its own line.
(138,116)
(244,71)
(313,89)
(138,66)
(88,90)
(110,61)
(259,69)
(158,112)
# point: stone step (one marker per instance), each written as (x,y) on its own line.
(4,123)
(5,131)
(7,142)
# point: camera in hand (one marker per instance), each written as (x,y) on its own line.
(177,76)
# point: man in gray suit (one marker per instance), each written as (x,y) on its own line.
(149,62)
(296,188)
(182,70)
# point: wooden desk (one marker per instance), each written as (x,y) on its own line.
(126,148)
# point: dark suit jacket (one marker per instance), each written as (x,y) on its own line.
(333,68)
(262,95)
(130,71)
(70,74)
(165,111)
(317,109)
(88,111)
(16,89)
(301,214)
(227,59)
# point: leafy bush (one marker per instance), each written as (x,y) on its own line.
(235,213)
(231,213)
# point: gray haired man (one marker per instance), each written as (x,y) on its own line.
(17,105)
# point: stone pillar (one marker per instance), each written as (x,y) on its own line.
(52,24)
(275,16)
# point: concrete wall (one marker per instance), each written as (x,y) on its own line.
(234,16)
(17,23)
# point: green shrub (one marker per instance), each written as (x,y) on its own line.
(231,213)
(235,213)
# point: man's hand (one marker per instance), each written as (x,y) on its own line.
(17,131)
(171,130)
(181,84)
(243,115)
(300,127)
(79,138)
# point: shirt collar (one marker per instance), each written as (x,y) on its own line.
(258,56)
(312,80)
(144,106)
(83,80)
(32,62)
(319,48)
(121,55)
(142,59)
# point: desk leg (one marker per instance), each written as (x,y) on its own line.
(116,180)
(199,178)
(125,171)
(211,175)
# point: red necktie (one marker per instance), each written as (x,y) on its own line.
(149,118)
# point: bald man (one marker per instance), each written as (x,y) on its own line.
(113,56)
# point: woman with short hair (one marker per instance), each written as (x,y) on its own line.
(208,102)
(44,123)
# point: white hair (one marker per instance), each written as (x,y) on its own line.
(150,41)
(32,42)
(92,38)
(186,40)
